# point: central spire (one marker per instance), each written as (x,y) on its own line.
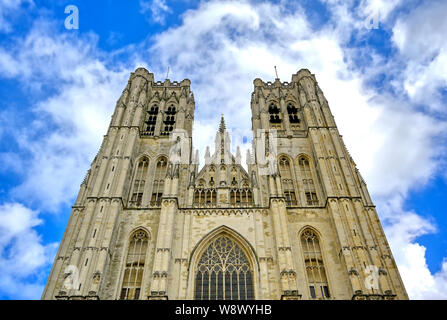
(222,125)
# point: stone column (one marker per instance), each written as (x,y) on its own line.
(263,258)
(345,246)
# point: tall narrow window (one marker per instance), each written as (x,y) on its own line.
(249,197)
(159,181)
(139,181)
(287,181)
(313,259)
(274,117)
(224,272)
(310,192)
(233,196)
(151,120)
(293,116)
(135,261)
(212,198)
(198,198)
(169,120)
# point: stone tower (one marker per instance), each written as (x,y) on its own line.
(296,222)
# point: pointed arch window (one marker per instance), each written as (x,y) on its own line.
(139,182)
(275,117)
(310,192)
(205,197)
(169,120)
(241,197)
(159,181)
(135,262)
(151,120)
(224,272)
(199,197)
(293,116)
(287,181)
(313,259)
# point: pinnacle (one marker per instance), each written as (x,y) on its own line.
(222,127)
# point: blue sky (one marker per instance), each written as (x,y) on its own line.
(386,86)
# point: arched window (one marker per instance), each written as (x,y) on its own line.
(135,261)
(205,197)
(274,116)
(293,116)
(313,259)
(224,272)
(169,120)
(159,182)
(199,199)
(241,197)
(151,120)
(287,181)
(308,182)
(139,181)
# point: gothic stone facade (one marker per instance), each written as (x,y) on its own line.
(298,223)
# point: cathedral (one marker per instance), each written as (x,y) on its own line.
(294,222)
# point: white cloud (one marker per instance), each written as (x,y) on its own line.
(10,8)
(420,38)
(22,253)
(157,8)
(420,283)
(78,113)
(378,8)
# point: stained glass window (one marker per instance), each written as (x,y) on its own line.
(224,272)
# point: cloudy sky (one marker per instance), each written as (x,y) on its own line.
(382,65)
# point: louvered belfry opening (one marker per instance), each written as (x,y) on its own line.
(169,120)
(151,120)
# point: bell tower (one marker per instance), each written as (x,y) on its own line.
(131,171)
(313,169)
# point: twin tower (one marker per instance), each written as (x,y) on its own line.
(296,222)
